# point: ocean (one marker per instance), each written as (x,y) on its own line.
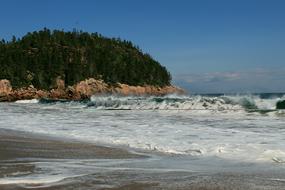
(198,134)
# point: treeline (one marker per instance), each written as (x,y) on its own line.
(40,57)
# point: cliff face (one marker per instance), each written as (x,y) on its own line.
(82,90)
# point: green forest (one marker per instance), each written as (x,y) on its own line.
(38,58)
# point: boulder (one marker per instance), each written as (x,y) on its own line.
(5,87)
(24,93)
(280,104)
(91,86)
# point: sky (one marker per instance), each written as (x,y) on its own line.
(209,46)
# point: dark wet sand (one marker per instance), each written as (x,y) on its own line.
(20,145)
(135,180)
(15,145)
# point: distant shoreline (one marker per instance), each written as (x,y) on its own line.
(81,91)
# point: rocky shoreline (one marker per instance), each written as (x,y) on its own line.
(80,91)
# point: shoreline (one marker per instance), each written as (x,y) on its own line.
(21,145)
(22,155)
(81,91)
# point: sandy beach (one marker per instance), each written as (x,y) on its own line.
(16,145)
(20,152)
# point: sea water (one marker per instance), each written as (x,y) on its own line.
(195,132)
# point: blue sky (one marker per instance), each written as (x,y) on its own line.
(209,46)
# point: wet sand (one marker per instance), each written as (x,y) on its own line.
(17,149)
(15,145)
(135,180)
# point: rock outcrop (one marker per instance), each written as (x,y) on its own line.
(5,89)
(124,89)
(82,90)
(90,87)
(280,104)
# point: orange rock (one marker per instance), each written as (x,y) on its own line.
(82,90)
(5,87)
(90,87)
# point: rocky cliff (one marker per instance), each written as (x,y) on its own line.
(82,90)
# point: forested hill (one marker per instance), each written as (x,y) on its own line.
(40,57)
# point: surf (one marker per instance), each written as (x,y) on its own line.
(194,102)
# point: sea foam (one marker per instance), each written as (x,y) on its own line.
(32,101)
(228,127)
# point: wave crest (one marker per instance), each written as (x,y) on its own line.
(32,101)
(173,102)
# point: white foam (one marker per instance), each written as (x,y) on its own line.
(174,102)
(32,101)
(162,103)
(45,180)
(192,125)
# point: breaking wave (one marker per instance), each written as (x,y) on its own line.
(228,132)
(32,101)
(249,103)
(174,102)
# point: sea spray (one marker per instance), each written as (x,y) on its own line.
(199,126)
(174,102)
